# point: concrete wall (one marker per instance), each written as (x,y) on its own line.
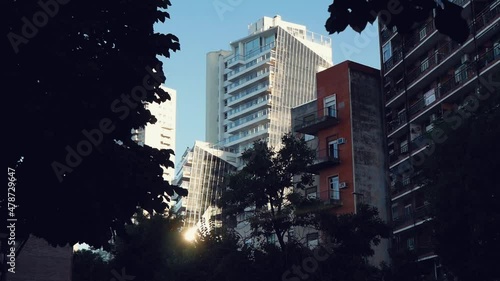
(368,139)
(38,261)
(300,111)
(213,122)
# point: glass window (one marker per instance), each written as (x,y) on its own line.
(404,146)
(334,188)
(387,52)
(333,149)
(429,97)
(331,106)
(269,39)
(252,45)
(424,65)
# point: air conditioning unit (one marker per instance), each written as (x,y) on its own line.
(465,58)
(343,185)
(433,117)
(341,141)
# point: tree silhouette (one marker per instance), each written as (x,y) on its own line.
(404,14)
(265,184)
(77,74)
(464,190)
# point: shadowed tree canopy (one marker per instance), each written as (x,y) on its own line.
(89,265)
(265,184)
(403,14)
(74,91)
(462,174)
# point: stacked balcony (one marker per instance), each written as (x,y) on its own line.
(313,122)
(324,158)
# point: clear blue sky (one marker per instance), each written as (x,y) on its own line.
(202,28)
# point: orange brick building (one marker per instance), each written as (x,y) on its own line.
(344,124)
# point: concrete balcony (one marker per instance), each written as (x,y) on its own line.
(313,122)
(417,216)
(324,158)
(483,27)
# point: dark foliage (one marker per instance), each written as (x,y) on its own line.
(404,14)
(70,86)
(465,191)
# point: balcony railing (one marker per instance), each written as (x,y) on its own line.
(451,84)
(483,19)
(416,215)
(324,158)
(313,122)
(397,122)
(424,249)
(329,197)
(257,51)
(406,184)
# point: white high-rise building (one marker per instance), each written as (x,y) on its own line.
(160,135)
(252,87)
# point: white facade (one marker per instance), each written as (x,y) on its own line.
(160,135)
(251,89)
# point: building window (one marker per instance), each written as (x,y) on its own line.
(406,180)
(330,104)
(410,243)
(269,39)
(334,187)
(311,192)
(424,65)
(429,97)
(408,210)
(423,33)
(333,149)
(252,45)
(404,146)
(395,212)
(461,73)
(312,240)
(387,52)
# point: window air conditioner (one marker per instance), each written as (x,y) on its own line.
(341,141)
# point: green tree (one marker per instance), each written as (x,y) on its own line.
(351,239)
(152,248)
(89,265)
(400,13)
(77,74)
(266,183)
(465,193)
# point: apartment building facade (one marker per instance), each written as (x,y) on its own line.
(160,135)
(425,76)
(344,125)
(251,88)
(202,170)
